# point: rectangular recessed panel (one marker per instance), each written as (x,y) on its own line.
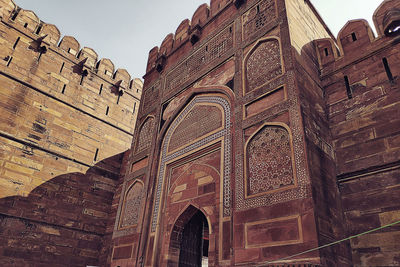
(140,164)
(275,232)
(265,102)
(122,252)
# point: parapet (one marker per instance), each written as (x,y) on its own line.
(201,15)
(105,66)
(52,34)
(218,5)
(70,45)
(90,55)
(122,76)
(387,17)
(357,36)
(188,30)
(28,22)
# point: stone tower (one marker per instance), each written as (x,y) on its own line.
(232,126)
(259,138)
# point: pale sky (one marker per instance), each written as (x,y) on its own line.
(125,30)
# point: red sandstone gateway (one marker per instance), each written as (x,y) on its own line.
(262,140)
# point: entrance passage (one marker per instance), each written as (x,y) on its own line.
(194,243)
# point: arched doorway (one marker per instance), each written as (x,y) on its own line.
(194,242)
(189,240)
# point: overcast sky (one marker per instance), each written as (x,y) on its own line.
(125,30)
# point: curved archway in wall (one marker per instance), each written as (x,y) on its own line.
(218,130)
(189,239)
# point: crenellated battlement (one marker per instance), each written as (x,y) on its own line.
(28,23)
(191,31)
(87,107)
(357,38)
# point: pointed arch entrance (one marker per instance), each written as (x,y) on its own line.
(194,169)
(189,240)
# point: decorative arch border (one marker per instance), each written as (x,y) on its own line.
(223,134)
(253,48)
(135,181)
(267,124)
(139,131)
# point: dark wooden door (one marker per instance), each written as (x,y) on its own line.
(191,249)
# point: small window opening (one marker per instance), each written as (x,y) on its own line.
(258,9)
(25,25)
(63,89)
(387,69)
(326,52)
(119,96)
(206,48)
(38,29)
(105,72)
(16,42)
(14,15)
(354,37)
(230,29)
(134,108)
(348,88)
(9,61)
(62,67)
(101,89)
(107,110)
(96,154)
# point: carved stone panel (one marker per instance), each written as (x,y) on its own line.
(145,135)
(257,17)
(263,64)
(202,119)
(202,57)
(269,161)
(132,205)
(150,95)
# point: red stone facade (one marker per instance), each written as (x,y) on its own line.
(277,137)
(252,125)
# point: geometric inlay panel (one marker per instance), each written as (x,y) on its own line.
(257,17)
(202,57)
(269,161)
(132,205)
(145,135)
(202,119)
(263,64)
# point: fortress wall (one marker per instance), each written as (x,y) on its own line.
(66,118)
